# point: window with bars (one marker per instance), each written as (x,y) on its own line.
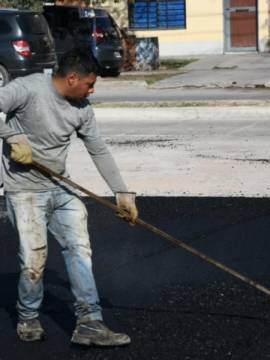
(157,14)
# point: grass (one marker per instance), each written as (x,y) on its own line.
(179,103)
(149,104)
(148,78)
(175,63)
(168,67)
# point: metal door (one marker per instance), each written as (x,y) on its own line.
(240,25)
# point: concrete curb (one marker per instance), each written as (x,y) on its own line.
(228,113)
(204,113)
(101,83)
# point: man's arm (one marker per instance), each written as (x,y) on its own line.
(105,163)
(108,169)
(12,97)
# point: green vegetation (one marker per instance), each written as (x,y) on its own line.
(168,67)
(175,63)
(180,103)
(150,78)
(149,104)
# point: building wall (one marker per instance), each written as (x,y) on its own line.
(263,25)
(204,33)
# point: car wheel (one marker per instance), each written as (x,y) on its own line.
(4,76)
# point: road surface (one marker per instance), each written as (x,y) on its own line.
(119,92)
(172,304)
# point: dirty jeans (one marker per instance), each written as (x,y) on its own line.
(65,216)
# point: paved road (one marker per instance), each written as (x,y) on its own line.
(110,92)
(194,151)
(173,305)
(201,151)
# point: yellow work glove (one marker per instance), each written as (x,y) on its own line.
(21,150)
(126,206)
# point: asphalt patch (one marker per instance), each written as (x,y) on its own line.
(172,304)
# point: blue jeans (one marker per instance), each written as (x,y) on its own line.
(65,216)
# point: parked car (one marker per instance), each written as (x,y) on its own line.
(94,28)
(26,44)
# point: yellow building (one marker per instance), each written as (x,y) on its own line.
(189,27)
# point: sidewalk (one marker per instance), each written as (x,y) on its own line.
(249,70)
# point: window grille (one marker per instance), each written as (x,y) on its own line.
(157,14)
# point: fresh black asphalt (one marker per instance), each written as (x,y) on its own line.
(173,305)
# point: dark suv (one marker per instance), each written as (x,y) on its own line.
(26,44)
(94,28)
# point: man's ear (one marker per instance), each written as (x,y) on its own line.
(72,78)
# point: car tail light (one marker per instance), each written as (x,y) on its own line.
(22,47)
(98,35)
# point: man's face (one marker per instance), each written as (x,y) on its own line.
(80,86)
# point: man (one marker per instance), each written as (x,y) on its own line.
(43,112)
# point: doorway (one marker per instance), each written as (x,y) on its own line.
(240,25)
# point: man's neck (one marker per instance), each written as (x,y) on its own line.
(59,85)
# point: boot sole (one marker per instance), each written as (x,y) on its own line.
(31,337)
(82,340)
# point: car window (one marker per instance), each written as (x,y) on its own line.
(108,26)
(32,24)
(5,28)
(57,20)
(82,26)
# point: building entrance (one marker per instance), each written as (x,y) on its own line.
(240,25)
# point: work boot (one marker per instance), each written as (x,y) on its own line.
(94,332)
(30,330)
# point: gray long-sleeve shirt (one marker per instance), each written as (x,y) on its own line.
(35,108)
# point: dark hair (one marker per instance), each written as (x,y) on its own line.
(80,60)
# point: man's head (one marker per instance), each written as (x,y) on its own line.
(76,74)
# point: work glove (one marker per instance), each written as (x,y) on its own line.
(126,206)
(21,150)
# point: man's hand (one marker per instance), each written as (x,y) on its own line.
(126,206)
(21,150)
